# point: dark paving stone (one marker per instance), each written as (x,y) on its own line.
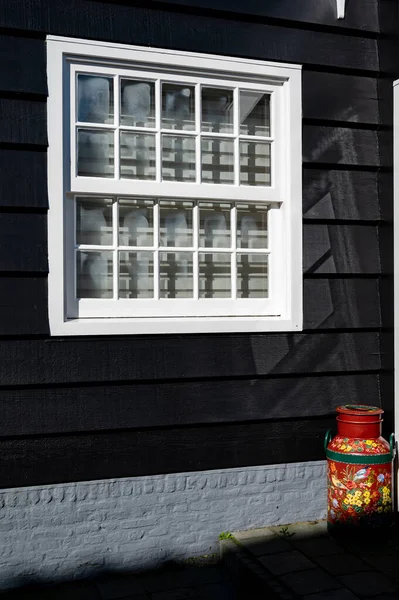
(310,582)
(261,547)
(286,562)
(340,594)
(368,583)
(157,581)
(120,587)
(387,563)
(76,591)
(323,546)
(218,591)
(341,564)
(180,594)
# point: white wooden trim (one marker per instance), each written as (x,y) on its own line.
(341,9)
(283,310)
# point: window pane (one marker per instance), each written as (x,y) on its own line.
(255,163)
(214,225)
(251,226)
(176,224)
(214,275)
(252,276)
(95,99)
(176,274)
(137,103)
(217,110)
(94,222)
(94,275)
(136,275)
(178,106)
(178,158)
(136,223)
(217,159)
(137,155)
(254,113)
(95,153)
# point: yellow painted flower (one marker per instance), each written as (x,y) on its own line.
(367,494)
(358,502)
(374,445)
(342,447)
(347,500)
(385,489)
(380,509)
(369,442)
(387,509)
(358,493)
(367,500)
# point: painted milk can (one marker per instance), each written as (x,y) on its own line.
(359,470)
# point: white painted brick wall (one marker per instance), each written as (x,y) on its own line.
(49,533)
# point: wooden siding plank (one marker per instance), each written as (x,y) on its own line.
(341,249)
(23,306)
(23,65)
(23,242)
(347,146)
(74,360)
(23,179)
(47,411)
(337,97)
(341,303)
(347,195)
(359,14)
(45,460)
(164,29)
(23,122)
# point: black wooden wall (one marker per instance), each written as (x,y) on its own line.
(86,408)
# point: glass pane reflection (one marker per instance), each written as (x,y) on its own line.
(176,274)
(94,222)
(95,151)
(94,275)
(136,223)
(137,155)
(254,113)
(178,106)
(95,99)
(136,275)
(217,110)
(252,276)
(137,103)
(251,226)
(176,223)
(214,275)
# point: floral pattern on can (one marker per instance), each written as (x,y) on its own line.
(353,445)
(358,495)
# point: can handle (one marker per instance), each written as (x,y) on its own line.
(392,445)
(327,438)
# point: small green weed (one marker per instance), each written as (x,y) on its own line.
(285,531)
(225,535)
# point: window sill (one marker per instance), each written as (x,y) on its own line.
(173,326)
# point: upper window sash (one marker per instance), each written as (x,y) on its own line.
(199,189)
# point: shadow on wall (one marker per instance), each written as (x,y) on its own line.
(202,580)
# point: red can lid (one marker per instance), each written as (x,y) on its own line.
(359,410)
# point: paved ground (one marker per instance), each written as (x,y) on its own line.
(173,583)
(302,561)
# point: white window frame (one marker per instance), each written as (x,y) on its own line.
(281,312)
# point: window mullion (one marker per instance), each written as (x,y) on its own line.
(115,259)
(198,130)
(117,122)
(158,137)
(236,121)
(156,252)
(234,251)
(195,253)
